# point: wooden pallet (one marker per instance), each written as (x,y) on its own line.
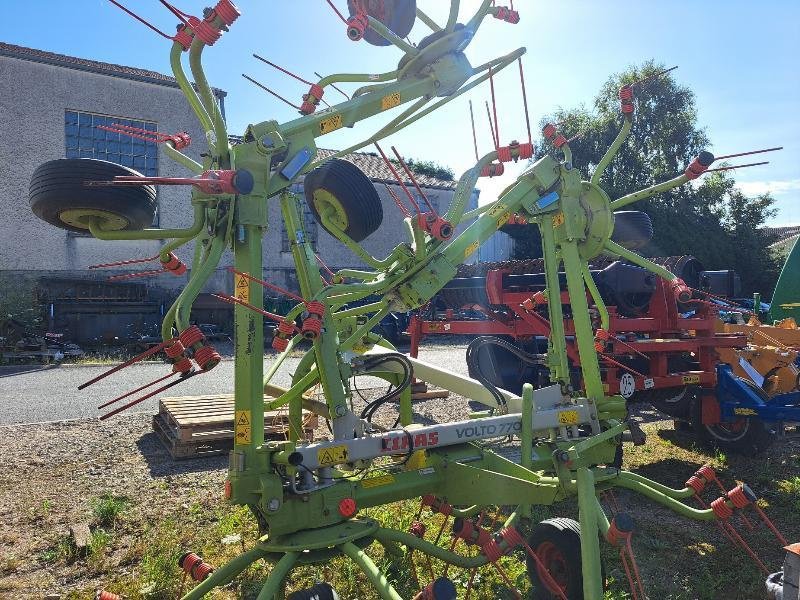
(194,426)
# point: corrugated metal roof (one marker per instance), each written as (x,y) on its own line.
(94,66)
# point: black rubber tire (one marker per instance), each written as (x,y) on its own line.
(633,229)
(397,15)
(353,190)
(565,535)
(752,439)
(58,186)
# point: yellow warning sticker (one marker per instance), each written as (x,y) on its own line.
(334,455)
(691,379)
(242,291)
(568,417)
(503,219)
(558,219)
(243,427)
(747,412)
(471,248)
(330,124)
(390,101)
(377,481)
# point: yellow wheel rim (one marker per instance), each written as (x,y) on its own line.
(110,221)
(328,205)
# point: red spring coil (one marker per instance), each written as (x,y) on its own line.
(180,140)
(191,336)
(549,131)
(280,344)
(471,533)
(437,505)
(696,483)
(741,496)
(357,25)
(175,349)
(559,141)
(626,99)
(721,509)
(706,472)
(174,265)
(512,537)
(207,357)
(315,308)
(201,571)
(602,334)
(417,529)
(504,154)
(104,595)
(204,31)
(626,93)
(506,14)
(312,327)
(525,150)
(184,365)
(617,535)
(311,99)
(286,328)
(493,170)
(189,561)
(492,550)
(599,346)
(227,11)
(184,37)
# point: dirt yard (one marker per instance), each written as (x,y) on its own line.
(144,510)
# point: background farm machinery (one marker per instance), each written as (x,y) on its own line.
(307,497)
(670,354)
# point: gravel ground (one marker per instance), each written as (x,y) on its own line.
(63,465)
(33,393)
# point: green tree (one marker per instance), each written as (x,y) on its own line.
(712,219)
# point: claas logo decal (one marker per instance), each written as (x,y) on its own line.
(400,442)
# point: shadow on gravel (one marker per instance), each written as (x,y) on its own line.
(161,464)
(12,370)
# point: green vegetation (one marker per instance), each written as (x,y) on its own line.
(431,169)
(107,509)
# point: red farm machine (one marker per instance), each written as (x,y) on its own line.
(656,350)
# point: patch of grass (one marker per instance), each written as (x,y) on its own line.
(108,508)
(62,550)
(791,488)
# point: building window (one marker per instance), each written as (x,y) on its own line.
(85,139)
(309,223)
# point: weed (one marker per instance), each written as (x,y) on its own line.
(108,508)
(63,549)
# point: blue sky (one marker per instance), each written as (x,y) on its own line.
(738,56)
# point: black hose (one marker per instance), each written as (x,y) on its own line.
(369,410)
(473,362)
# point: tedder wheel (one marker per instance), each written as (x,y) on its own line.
(632,229)
(746,436)
(557,544)
(397,15)
(342,192)
(58,195)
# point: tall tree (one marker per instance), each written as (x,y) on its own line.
(712,219)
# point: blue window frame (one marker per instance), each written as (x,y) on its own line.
(84,139)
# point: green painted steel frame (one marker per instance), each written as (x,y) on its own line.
(406,278)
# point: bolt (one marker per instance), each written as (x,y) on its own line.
(340,410)
(273,504)
(568,166)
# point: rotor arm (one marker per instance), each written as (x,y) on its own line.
(613,149)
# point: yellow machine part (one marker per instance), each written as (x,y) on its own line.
(775,364)
(783,333)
